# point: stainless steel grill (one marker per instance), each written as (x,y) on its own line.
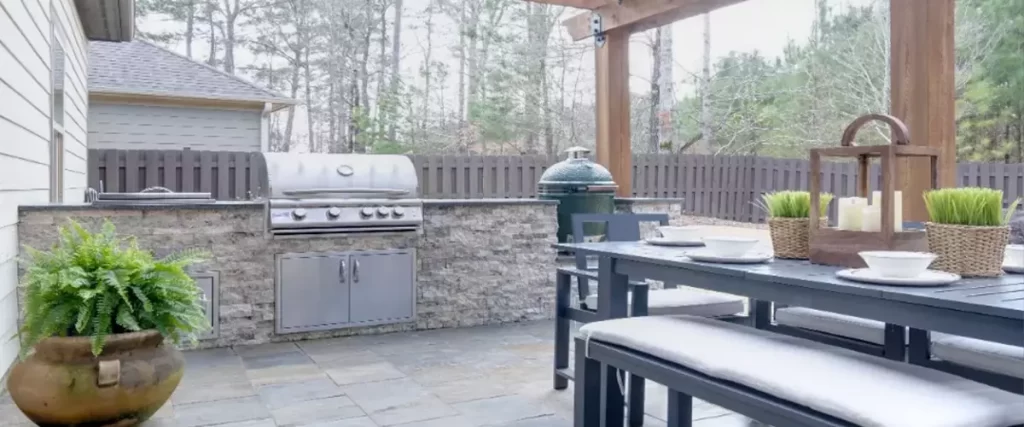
(340,193)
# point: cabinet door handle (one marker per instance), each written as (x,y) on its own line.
(355,271)
(341,271)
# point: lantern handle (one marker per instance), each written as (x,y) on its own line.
(900,134)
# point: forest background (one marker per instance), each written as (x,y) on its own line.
(502,77)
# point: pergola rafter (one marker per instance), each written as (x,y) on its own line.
(921,67)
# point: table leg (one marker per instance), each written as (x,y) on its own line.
(612,294)
(760,313)
(612,291)
(563,284)
(895,342)
(920,347)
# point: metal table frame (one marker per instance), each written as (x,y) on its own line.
(990,309)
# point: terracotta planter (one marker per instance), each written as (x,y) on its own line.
(969,251)
(791,236)
(62,384)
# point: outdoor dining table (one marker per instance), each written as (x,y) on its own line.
(990,309)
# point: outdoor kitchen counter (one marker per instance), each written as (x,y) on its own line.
(477,261)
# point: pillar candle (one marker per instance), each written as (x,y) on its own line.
(872,219)
(897,221)
(851,210)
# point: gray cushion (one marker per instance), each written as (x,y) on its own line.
(686,300)
(984,355)
(1017,227)
(862,389)
(858,328)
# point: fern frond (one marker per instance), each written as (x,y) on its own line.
(97,284)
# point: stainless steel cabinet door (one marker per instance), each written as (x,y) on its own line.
(382,287)
(313,292)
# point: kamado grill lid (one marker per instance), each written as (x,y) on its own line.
(576,170)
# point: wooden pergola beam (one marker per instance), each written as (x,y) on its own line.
(922,92)
(579,4)
(640,15)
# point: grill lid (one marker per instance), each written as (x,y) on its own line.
(339,176)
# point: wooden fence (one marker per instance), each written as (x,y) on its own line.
(226,175)
(722,187)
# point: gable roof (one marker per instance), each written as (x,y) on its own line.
(141,68)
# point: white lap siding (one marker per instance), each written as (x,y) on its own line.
(25,129)
(152,127)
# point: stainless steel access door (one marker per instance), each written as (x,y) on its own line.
(312,292)
(382,287)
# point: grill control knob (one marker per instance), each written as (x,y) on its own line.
(333,212)
(366,212)
(299,213)
(397,211)
(383,212)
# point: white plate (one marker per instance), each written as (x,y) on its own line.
(1013,269)
(662,241)
(750,258)
(928,278)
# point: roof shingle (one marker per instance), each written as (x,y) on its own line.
(142,68)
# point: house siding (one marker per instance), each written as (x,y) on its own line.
(153,127)
(25,126)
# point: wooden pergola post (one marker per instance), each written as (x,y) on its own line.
(922,92)
(612,91)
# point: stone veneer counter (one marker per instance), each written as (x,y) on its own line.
(478,262)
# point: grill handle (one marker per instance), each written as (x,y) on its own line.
(355,271)
(341,272)
(309,191)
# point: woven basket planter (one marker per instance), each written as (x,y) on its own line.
(969,251)
(791,237)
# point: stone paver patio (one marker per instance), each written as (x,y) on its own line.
(471,377)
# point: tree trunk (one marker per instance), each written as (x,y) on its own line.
(190,27)
(212,58)
(427,68)
(309,103)
(707,127)
(666,89)
(290,124)
(382,98)
(396,46)
(655,101)
(462,78)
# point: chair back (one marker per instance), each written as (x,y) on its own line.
(619,228)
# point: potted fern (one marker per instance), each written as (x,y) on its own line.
(968,230)
(789,221)
(96,312)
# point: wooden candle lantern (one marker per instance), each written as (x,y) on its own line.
(832,246)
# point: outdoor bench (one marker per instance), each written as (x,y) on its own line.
(777,379)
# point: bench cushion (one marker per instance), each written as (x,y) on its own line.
(686,300)
(862,389)
(984,355)
(858,328)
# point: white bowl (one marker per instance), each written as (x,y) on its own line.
(898,264)
(684,233)
(729,246)
(1014,256)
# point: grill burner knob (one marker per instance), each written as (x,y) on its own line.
(299,213)
(397,211)
(366,212)
(333,212)
(383,212)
